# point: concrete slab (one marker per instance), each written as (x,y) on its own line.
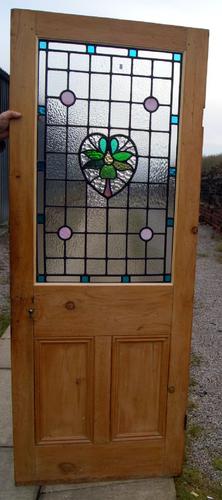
(5,408)
(5,353)
(8,490)
(141,489)
(7,333)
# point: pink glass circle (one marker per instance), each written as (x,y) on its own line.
(146,233)
(65,233)
(67,97)
(151,104)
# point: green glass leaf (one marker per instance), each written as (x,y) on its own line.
(114,145)
(122,166)
(122,156)
(108,172)
(94,155)
(95,164)
(103,144)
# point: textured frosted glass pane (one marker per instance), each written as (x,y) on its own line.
(141,67)
(162,68)
(40,249)
(100,86)
(56,112)
(101,130)
(55,192)
(155,247)
(169,249)
(79,62)
(139,117)
(162,90)
(67,46)
(62,279)
(121,88)
(73,169)
(176,86)
(76,219)
(157,220)
(41,137)
(99,114)
(141,140)
(154,266)
(79,84)
(56,139)
(122,65)
(171,197)
(76,193)
(54,218)
(137,220)
(95,267)
(159,144)
(75,266)
(96,220)
(75,138)
(141,89)
(138,195)
(100,64)
(55,166)
(75,247)
(147,279)
(105,279)
(136,266)
(160,120)
(54,266)
(136,247)
(154,54)
(117,221)
(96,245)
(173,147)
(141,174)
(54,246)
(120,200)
(116,246)
(57,60)
(158,170)
(57,82)
(78,114)
(119,114)
(116,266)
(42,62)
(112,50)
(95,199)
(157,196)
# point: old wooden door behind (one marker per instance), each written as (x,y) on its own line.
(102,251)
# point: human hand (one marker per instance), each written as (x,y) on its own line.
(5,118)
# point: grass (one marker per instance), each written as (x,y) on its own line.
(219,247)
(193,382)
(192,483)
(202,254)
(4,322)
(191,406)
(217,463)
(195,360)
(194,431)
(212,162)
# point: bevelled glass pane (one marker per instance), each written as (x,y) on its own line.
(108,124)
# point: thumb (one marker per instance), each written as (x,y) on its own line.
(9,115)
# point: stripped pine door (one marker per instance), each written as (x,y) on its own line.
(104,214)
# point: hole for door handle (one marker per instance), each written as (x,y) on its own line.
(171,389)
(70,305)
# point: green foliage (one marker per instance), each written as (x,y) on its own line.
(219,247)
(217,463)
(194,431)
(122,166)
(192,481)
(212,162)
(4,322)
(93,155)
(195,359)
(122,156)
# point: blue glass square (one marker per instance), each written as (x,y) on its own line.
(174,119)
(132,52)
(172,171)
(170,222)
(125,279)
(42,45)
(85,279)
(41,278)
(40,166)
(91,49)
(167,278)
(40,218)
(41,110)
(177,57)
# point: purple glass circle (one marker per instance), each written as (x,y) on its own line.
(146,234)
(65,233)
(67,97)
(151,104)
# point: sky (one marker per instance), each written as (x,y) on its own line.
(193,13)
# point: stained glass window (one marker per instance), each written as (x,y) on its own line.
(108,120)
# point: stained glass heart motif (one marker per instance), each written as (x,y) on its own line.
(108,163)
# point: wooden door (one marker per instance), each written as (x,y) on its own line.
(102,263)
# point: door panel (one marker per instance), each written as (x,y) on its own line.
(102,284)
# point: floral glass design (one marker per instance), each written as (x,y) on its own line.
(108,163)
